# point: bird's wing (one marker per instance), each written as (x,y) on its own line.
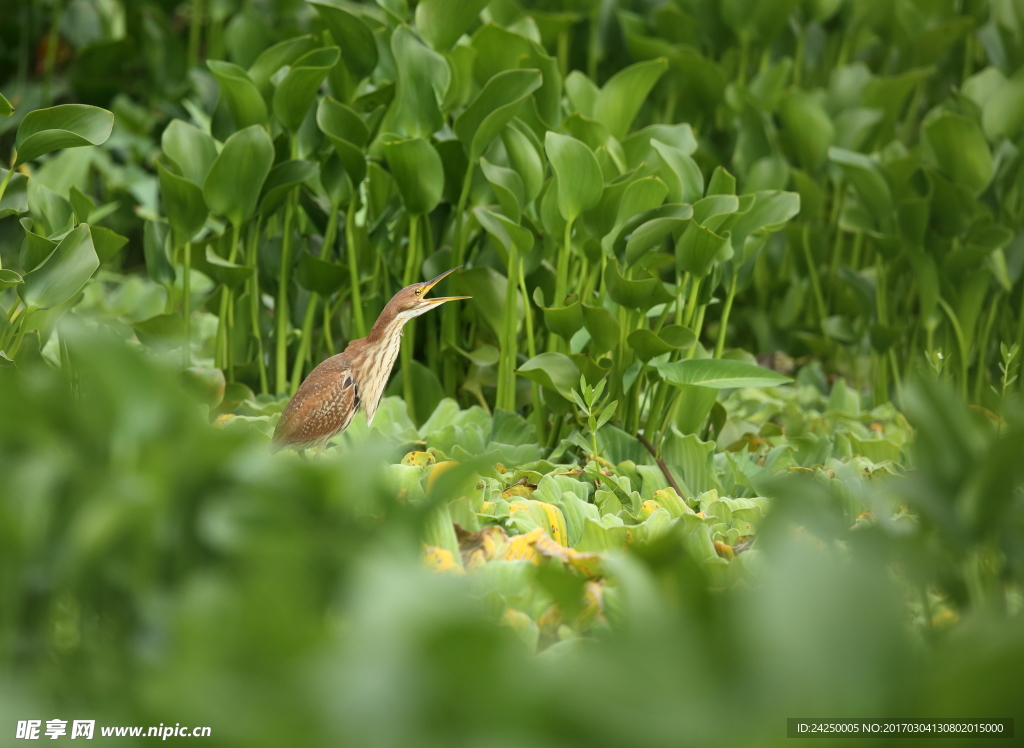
(323,406)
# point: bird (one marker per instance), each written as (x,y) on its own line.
(329,397)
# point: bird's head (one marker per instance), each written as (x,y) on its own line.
(412,300)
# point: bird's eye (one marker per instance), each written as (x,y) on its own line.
(419,291)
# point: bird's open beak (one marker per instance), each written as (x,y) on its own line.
(441,299)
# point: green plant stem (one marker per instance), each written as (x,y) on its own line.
(506,397)
(194,31)
(6,180)
(224,326)
(961,344)
(449,315)
(812,270)
(8,332)
(981,374)
(691,302)
(531,348)
(22,329)
(726,311)
(562,266)
(408,340)
(305,342)
(281,312)
(1020,335)
(186,305)
(254,303)
(358,321)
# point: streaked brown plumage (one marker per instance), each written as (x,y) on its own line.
(329,397)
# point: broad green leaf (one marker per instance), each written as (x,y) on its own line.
(418,172)
(603,328)
(9,279)
(648,229)
(161,331)
(183,204)
(15,197)
(638,197)
(442,22)
(638,149)
(423,79)
(487,287)
(680,173)
(246,36)
(335,180)
(633,294)
(564,321)
(672,338)
(35,248)
(722,183)
(556,371)
(190,149)
(699,248)
(82,204)
(525,159)
(284,177)
(219,270)
(508,233)
(1003,112)
(493,108)
(154,247)
(771,210)
(807,128)
(6,110)
(959,148)
(358,47)
(507,186)
(580,182)
(296,93)
(320,276)
(243,97)
(63,273)
(106,242)
(49,209)
(65,126)
(347,133)
(276,57)
(233,185)
(582,93)
(620,99)
(867,179)
(719,373)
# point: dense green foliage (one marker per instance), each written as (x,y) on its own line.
(695,457)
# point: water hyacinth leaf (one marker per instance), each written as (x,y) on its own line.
(232,187)
(722,183)
(638,147)
(699,248)
(493,108)
(63,274)
(49,209)
(959,148)
(555,371)
(647,235)
(580,182)
(487,289)
(680,173)
(34,248)
(771,210)
(219,270)
(15,197)
(9,279)
(276,57)
(347,133)
(423,79)
(525,160)
(712,211)
(807,128)
(242,96)
(6,110)
(353,36)
(1002,112)
(296,93)
(508,233)
(183,204)
(190,149)
(719,374)
(106,242)
(507,186)
(633,294)
(165,331)
(639,196)
(82,204)
(564,321)
(603,328)
(335,180)
(64,126)
(867,180)
(418,172)
(284,177)
(582,93)
(442,22)
(322,277)
(154,246)
(619,101)
(647,345)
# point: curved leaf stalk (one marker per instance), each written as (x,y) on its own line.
(8,331)
(186,305)
(305,342)
(224,324)
(22,329)
(506,397)
(254,302)
(408,339)
(540,417)
(726,311)
(562,270)
(981,375)
(358,321)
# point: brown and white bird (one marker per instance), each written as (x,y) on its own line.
(329,397)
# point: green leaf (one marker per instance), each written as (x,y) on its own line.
(638,197)
(959,148)
(618,102)
(867,180)
(487,288)
(442,22)
(154,247)
(183,204)
(633,294)
(524,158)
(507,186)
(276,57)
(190,149)
(347,133)
(34,248)
(807,128)
(564,321)
(219,270)
(719,374)
(320,276)
(63,273)
(242,96)
(1003,112)
(665,220)
(236,177)
(358,47)
(15,198)
(164,331)
(493,108)
(423,79)
(771,210)
(603,328)
(680,173)
(6,110)
(508,233)
(284,177)
(555,371)
(65,126)
(81,203)
(699,248)
(296,93)
(418,172)
(106,242)
(9,278)
(580,182)
(648,345)
(722,183)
